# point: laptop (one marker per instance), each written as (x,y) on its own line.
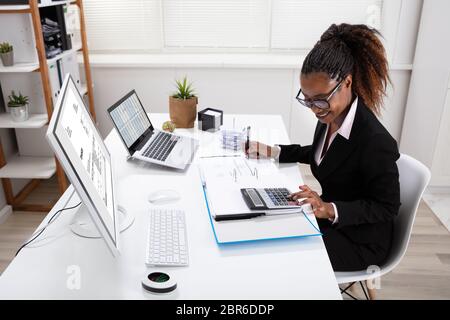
(146,143)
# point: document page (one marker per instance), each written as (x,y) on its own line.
(224,178)
(77,124)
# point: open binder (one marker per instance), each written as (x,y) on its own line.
(222,179)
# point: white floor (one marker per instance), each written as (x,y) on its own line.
(439,203)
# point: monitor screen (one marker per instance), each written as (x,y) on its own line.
(130,118)
(85,159)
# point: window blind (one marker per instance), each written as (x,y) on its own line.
(298,24)
(123,25)
(140,25)
(216,23)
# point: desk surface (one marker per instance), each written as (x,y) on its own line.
(61,265)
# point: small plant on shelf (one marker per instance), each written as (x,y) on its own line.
(183,104)
(7,54)
(18,105)
(17,100)
(5,47)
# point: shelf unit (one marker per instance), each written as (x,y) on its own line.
(39,167)
(34,121)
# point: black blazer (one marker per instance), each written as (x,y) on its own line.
(359,175)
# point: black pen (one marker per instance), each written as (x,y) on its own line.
(239,216)
(247,143)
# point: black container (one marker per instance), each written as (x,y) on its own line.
(208,122)
(56,15)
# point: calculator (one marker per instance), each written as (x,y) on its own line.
(268,198)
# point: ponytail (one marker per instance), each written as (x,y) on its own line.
(352,49)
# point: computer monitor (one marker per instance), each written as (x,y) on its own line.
(86,161)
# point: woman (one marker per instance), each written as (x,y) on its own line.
(343,81)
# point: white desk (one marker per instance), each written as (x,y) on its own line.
(279,269)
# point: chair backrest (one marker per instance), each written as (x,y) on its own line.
(414,178)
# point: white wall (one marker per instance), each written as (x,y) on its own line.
(426,133)
(440,168)
(233,90)
(243,90)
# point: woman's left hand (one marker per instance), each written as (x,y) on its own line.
(322,209)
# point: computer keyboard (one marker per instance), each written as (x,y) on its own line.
(167,239)
(161,146)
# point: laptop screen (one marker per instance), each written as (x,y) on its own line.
(130,119)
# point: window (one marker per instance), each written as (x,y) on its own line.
(299,24)
(222,25)
(217,23)
(123,25)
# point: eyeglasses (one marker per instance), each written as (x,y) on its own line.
(318,103)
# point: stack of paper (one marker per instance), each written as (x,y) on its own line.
(232,139)
(224,178)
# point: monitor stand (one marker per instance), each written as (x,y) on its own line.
(83,226)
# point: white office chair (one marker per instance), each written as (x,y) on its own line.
(414,178)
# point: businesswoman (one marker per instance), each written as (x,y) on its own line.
(343,80)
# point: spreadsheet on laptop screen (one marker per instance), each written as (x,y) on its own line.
(130,119)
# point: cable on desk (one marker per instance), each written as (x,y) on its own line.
(48,223)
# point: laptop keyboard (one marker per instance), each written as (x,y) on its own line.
(161,146)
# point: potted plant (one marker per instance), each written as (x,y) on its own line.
(18,105)
(183,105)
(7,54)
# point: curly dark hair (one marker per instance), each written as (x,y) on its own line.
(352,49)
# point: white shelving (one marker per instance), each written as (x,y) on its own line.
(29,168)
(34,158)
(20,67)
(34,121)
(63,54)
(55,3)
(33,66)
(14,7)
(26,6)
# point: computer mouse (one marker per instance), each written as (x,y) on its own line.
(163,196)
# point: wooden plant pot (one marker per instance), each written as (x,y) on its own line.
(183,112)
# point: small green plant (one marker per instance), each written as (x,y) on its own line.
(17,100)
(5,47)
(184,90)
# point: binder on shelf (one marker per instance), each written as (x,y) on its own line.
(58,71)
(72,20)
(222,179)
(69,65)
(55,81)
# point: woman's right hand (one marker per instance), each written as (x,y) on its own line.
(258,150)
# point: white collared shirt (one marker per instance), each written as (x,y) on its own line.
(344,130)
